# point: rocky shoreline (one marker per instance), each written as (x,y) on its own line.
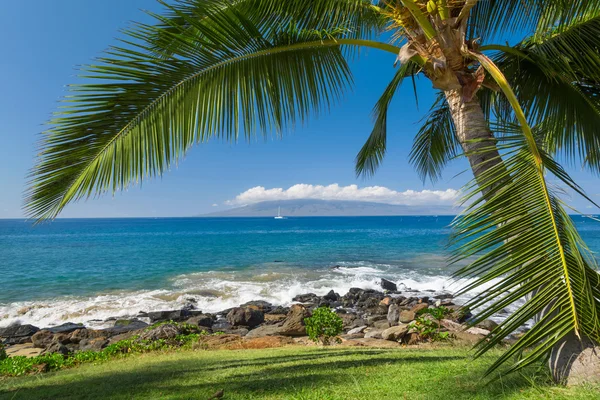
(370,317)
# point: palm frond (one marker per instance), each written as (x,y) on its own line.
(557,81)
(490,19)
(142,110)
(435,144)
(358,19)
(523,239)
(372,153)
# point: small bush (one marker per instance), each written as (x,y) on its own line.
(429,329)
(323,325)
(16,366)
(3,354)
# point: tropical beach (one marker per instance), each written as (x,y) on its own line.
(300,199)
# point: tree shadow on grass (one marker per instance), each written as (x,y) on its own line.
(279,376)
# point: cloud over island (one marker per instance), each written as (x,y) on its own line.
(376,194)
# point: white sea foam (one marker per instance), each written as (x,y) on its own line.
(217,290)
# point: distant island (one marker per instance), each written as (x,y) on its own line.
(331,208)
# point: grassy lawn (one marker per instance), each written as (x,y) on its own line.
(288,373)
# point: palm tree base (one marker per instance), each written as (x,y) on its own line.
(574,362)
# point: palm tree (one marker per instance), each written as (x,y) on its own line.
(231,68)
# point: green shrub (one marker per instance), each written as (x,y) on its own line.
(429,329)
(323,325)
(3,354)
(16,366)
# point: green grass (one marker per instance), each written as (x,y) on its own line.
(289,373)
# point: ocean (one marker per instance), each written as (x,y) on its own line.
(87,270)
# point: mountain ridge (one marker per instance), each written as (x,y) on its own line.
(331,208)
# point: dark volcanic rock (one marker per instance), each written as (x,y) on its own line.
(65,328)
(18,331)
(388,285)
(172,315)
(259,305)
(332,296)
(92,344)
(307,298)
(166,331)
(245,316)
(124,326)
(202,320)
(221,326)
(57,348)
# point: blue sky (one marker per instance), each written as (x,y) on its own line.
(43,42)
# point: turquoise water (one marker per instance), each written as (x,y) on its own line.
(82,270)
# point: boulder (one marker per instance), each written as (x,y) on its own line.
(265,330)
(395,333)
(85,334)
(332,296)
(65,328)
(358,322)
(172,315)
(478,331)
(307,298)
(360,329)
(166,331)
(374,334)
(221,326)
(16,334)
(244,316)
(274,318)
(381,325)
(347,318)
(488,324)
(124,326)
(293,325)
(412,338)
(386,301)
(93,344)
(452,326)
(419,307)
(202,321)
(406,316)
(388,285)
(42,339)
(55,348)
(393,314)
(443,296)
(259,305)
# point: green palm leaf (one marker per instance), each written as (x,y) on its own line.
(492,18)
(435,144)
(556,78)
(144,110)
(372,153)
(523,237)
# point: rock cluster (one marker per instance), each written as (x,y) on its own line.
(369,316)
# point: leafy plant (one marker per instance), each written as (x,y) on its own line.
(429,329)
(3,354)
(20,365)
(323,325)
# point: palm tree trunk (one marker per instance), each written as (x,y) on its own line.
(572,361)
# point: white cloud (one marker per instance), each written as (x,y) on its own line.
(215,205)
(378,194)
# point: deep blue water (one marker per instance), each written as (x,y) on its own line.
(80,260)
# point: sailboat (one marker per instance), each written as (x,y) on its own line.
(279,214)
